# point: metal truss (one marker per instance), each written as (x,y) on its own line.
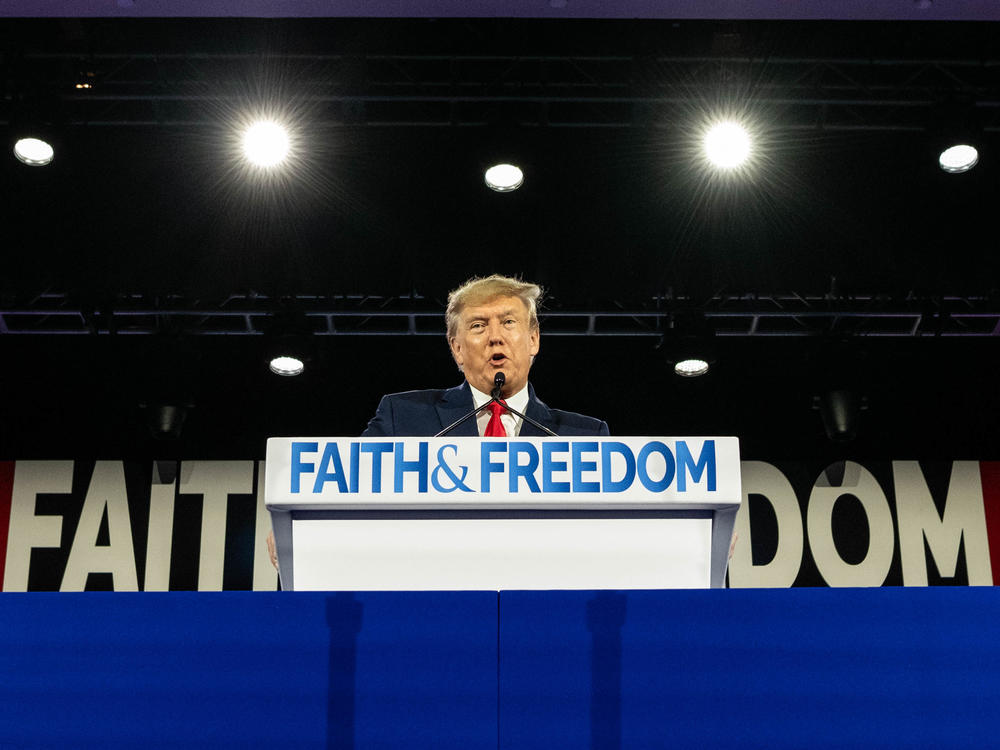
(748,315)
(429,90)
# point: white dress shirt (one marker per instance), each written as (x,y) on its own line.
(511,423)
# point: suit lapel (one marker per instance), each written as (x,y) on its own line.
(453,405)
(538,411)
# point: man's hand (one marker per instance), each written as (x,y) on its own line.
(272,551)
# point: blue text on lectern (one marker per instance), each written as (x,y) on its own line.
(499,466)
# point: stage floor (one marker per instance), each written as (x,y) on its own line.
(816,668)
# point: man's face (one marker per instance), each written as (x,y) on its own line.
(495,337)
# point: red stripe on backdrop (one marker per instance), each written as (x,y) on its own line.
(989,471)
(6,489)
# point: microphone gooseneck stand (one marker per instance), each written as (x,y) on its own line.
(498,383)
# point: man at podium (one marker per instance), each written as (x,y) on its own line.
(492,327)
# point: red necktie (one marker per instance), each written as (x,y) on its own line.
(495,427)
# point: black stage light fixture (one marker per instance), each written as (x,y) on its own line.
(956,134)
(842,371)
(85,79)
(35,131)
(167,380)
(689,345)
(165,421)
(289,345)
(505,154)
(503,176)
(840,411)
(33,148)
(960,157)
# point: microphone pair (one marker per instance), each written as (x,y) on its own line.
(498,380)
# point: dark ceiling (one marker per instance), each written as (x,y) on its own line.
(842,256)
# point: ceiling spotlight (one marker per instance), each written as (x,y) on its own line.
(691,368)
(727,145)
(85,80)
(265,143)
(504,177)
(958,159)
(33,151)
(287,366)
(839,410)
(165,420)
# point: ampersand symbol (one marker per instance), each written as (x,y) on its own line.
(457,483)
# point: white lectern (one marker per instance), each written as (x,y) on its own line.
(465,513)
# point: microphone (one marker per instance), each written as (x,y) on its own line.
(498,380)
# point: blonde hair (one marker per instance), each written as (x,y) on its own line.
(478,291)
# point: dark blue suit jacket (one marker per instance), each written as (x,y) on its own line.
(425,413)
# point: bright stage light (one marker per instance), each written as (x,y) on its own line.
(265,143)
(958,159)
(727,145)
(287,366)
(691,368)
(504,177)
(33,152)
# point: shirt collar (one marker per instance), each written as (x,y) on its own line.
(518,401)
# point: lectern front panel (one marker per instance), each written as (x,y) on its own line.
(501,553)
(467,513)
